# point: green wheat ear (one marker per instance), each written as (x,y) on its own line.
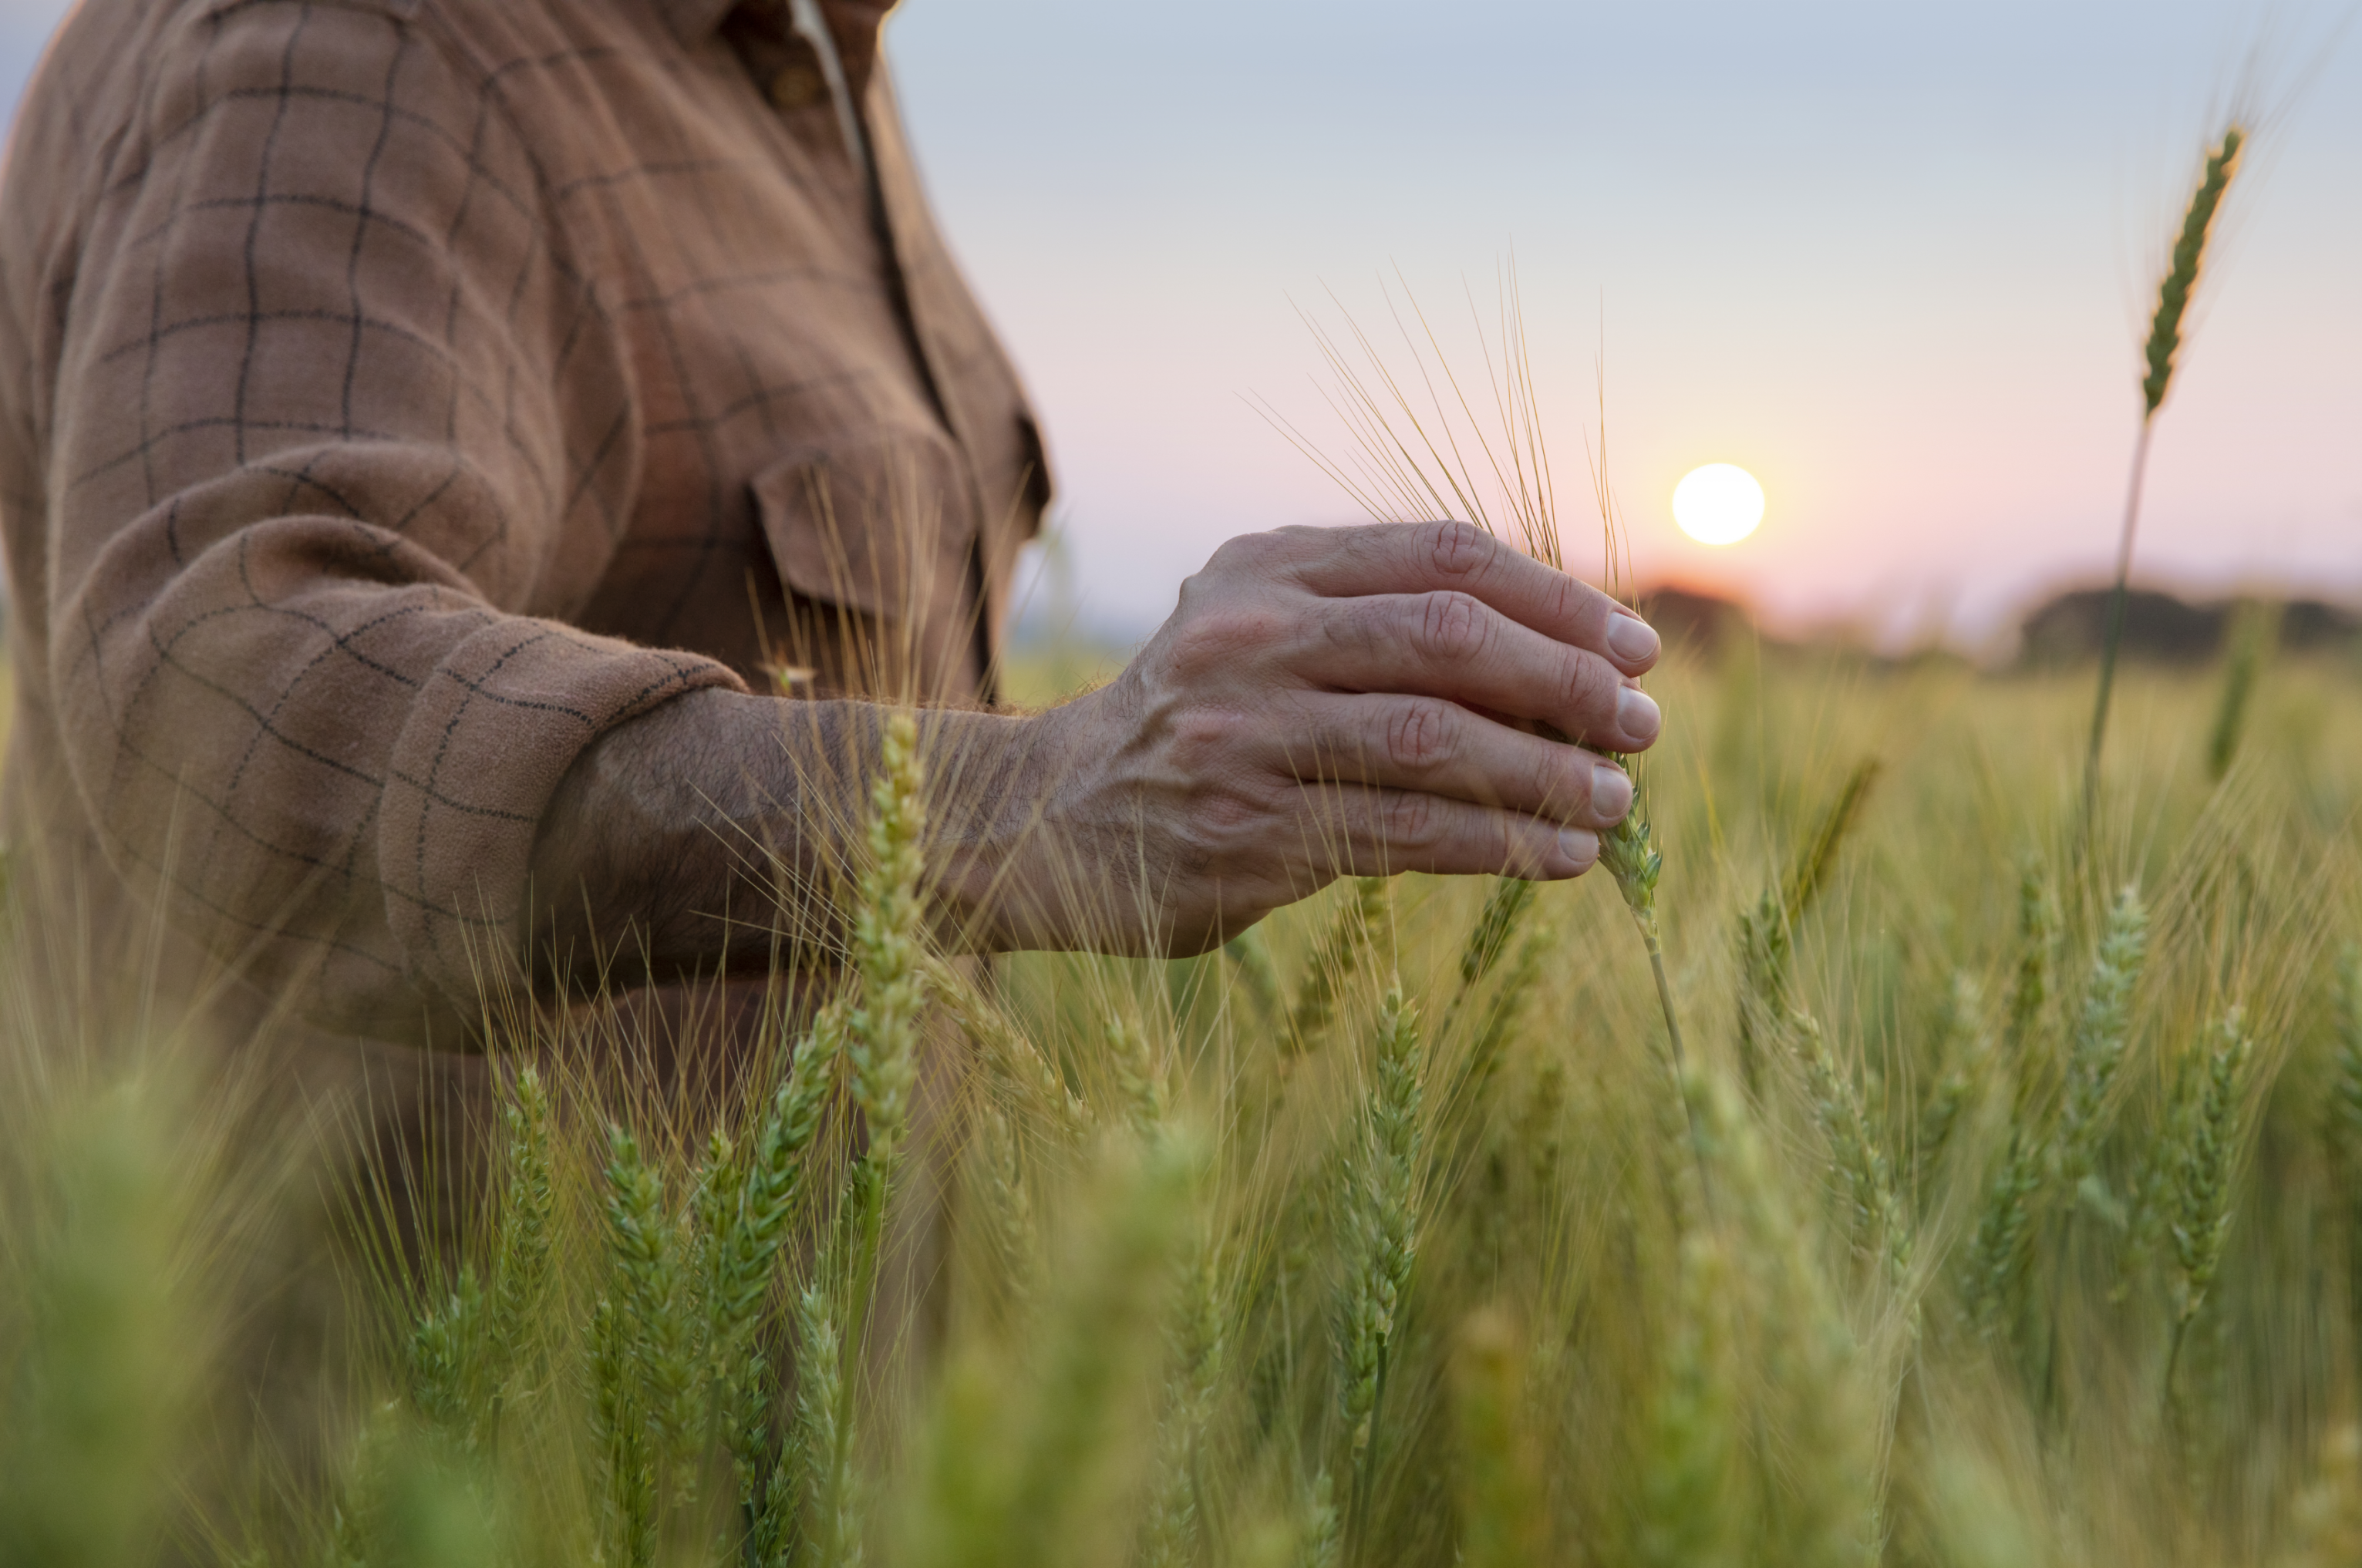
(2189,257)
(1629,853)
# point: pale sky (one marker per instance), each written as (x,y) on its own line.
(1892,257)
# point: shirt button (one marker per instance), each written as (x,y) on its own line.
(798,86)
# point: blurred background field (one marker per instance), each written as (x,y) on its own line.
(2001,1217)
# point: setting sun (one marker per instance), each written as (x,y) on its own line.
(1718,504)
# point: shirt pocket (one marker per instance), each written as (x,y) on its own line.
(883,522)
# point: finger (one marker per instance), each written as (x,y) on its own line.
(1424,557)
(1434,747)
(1371,831)
(1451,645)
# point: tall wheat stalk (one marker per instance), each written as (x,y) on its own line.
(2159,356)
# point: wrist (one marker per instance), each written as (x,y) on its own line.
(1002,882)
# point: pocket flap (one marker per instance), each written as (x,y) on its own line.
(881,522)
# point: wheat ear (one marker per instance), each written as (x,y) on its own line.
(1384,1216)
(2159,357)
(522,1272)
(2098,1046)
(1876,1225)
(744,1241)
(2208,1148)
(881,1049)
(2255,627)
(1362,921)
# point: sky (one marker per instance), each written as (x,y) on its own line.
(1893,258)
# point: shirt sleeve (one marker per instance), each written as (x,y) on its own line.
(341,436)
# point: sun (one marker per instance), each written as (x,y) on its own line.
(1718,504)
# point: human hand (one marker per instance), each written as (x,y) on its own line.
(1325,703)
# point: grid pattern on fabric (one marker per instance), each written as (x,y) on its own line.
(395,381)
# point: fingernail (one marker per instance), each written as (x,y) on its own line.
(1611,792)
(1580,845)
(1630,637)
(1637,715)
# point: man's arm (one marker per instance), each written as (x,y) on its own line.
(1323,703)
(338,439)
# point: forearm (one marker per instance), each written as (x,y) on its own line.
(720,833)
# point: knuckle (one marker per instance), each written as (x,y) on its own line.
(1561,779)
(1255,555)
(1569,600)
(1451,626)
(1590,684)
(1202,735)
(1456,548)
(1412,820)
(1211,640)
(1420,735)
(1224,815)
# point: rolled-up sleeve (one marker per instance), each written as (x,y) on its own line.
(340,437)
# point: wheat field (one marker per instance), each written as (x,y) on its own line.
(2002,1213)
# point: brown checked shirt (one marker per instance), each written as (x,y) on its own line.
(396,395)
